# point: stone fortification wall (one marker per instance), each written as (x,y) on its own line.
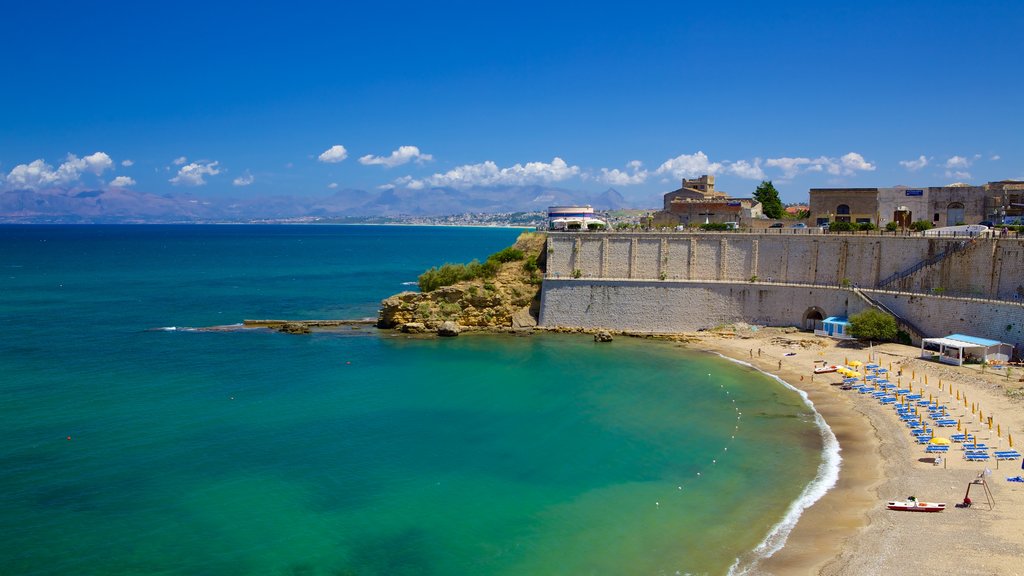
(987,267)
(679,306)
(674,306)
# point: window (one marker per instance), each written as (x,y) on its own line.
(936,217)
(843,209)
(863,220)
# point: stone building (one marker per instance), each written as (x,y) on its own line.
(941,205)
(698,202)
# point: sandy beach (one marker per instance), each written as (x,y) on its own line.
(850,531)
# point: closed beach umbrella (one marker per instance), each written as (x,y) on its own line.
(939,440)
(957,424)
(1009,438)
(925,379)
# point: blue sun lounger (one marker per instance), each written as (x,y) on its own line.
(945,423)
(962,437)
(1007,454)
(936,448)
(976,456)
(972,447)
(887,400)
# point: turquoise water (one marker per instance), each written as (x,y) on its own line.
(128,450)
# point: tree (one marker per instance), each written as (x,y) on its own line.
(768,196)
(873,324)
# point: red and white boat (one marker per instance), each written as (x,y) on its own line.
(914,505)
(826,369)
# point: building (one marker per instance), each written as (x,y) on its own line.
(574,218)
(698,202)
(941,205)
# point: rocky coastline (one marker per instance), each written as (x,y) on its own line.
(508,301)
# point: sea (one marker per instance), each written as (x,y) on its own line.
(133,441)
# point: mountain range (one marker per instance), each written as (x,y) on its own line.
(119,205)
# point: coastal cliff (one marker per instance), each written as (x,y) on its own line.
(505,298)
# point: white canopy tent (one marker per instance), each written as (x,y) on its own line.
(955,347)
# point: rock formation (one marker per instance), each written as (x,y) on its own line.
(508,300)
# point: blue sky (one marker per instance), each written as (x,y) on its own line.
(238,99)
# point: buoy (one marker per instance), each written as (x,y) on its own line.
(69,438)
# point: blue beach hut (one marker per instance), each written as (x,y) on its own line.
(835,327)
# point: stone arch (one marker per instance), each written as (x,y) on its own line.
(955,214)
(843,213)
(813,317)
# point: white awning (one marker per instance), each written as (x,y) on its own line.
(949,343)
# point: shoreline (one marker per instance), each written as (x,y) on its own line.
(848,531)
(821,528)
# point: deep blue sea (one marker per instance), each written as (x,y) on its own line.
(130,448)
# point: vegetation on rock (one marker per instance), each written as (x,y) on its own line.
(501,292)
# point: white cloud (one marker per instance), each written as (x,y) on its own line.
(958,174)
(179,160)
(749,170)
(995,157)
(616,177)
(127,163)
(332,185)
(489,174)
(192,174)
(244,180)
(958,162)
(846,165)
(689,166)
(39,174)
(915,165)
(334,154)
(122,182)
(790,166)
(853,161)
(403,155)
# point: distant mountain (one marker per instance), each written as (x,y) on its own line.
(122,205)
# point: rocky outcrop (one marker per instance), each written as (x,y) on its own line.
(508,300)
(603,336)
(448,328)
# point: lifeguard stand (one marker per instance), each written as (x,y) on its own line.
(980,480)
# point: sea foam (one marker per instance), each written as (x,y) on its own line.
(824,480)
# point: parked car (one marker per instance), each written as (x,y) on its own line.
(778,225)
(799,225)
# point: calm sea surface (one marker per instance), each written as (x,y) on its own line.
(129,450)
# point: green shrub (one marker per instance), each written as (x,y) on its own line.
(921,225)
(510,254)
(892,226)
(530,265)
(873,324)
(840,226)
(867,226)
(714,226)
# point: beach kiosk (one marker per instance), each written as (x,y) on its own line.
(956,348)
(834,327)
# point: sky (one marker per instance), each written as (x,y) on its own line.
(227,99)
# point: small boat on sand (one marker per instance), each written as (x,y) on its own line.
(914,505)
(826,369)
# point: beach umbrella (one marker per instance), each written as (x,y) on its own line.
(856,363)
(957,424)
(925,379)
(913,375)
(940,384)
(933,434)
(999,431)
(1009,438)
(939,440)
